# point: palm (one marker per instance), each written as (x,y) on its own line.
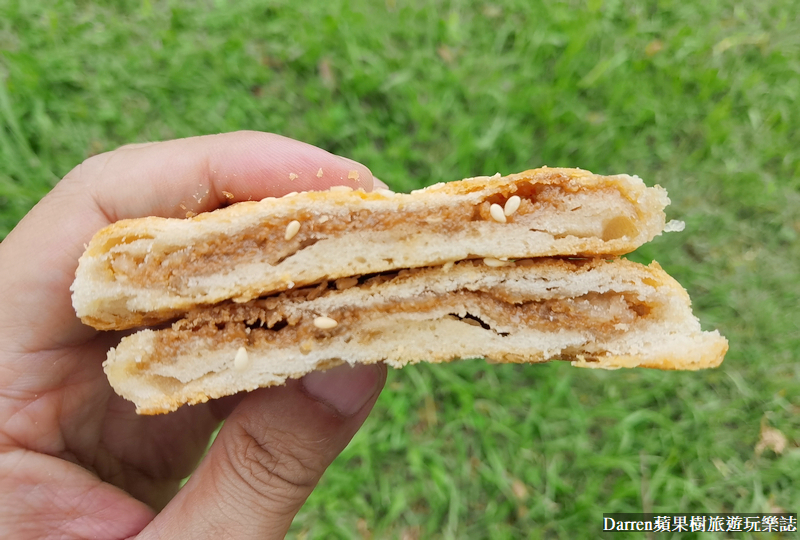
(145,456)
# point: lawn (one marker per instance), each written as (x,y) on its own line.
(700,97)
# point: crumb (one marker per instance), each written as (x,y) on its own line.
(190,214)
(292,176)
(674,225)
(353,175)
(228,195)
(319,173)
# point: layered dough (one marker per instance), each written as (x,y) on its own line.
(593,312)
(150,270)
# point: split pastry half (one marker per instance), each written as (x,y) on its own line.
(146,271)
(592,312)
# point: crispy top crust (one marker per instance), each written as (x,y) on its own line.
(149,270)
(631,187)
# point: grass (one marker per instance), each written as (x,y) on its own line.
(700,97)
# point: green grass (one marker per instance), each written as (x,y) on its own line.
(700,97)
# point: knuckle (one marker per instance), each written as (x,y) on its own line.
(276,466)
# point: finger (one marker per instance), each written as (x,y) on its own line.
(202,173)
(269,455)
(39,257)
(377,183)
(42,496)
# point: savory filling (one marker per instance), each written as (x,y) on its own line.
(268,322)
(272,242)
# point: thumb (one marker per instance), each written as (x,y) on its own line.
(269,456)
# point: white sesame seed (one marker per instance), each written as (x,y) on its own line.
(495,263)
(291,229)
(319,173)
(325,323)
(346,283)
(512,204)
(497,213)
(241,360)
(341,188)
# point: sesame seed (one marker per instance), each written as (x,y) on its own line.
(497,213)
(291,229)
(325,323)
(512,204)
(346,283)
(341,188)
(241,360)
(495,263)
(319,173)
(292,176)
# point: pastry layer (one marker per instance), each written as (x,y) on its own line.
(595,313)
(149,270)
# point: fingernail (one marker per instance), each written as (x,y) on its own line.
(350,161)
(363,172)
(347,389)
(377,183)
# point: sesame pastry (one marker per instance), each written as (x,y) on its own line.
(594,313)
(150,270)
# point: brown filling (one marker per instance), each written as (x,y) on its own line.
(267,240)
(263,322)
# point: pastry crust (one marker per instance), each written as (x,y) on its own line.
(146,271)
(592,312)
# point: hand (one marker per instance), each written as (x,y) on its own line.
(75,460)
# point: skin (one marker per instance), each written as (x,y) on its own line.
(75,460)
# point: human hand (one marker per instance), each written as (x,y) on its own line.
(75,460)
